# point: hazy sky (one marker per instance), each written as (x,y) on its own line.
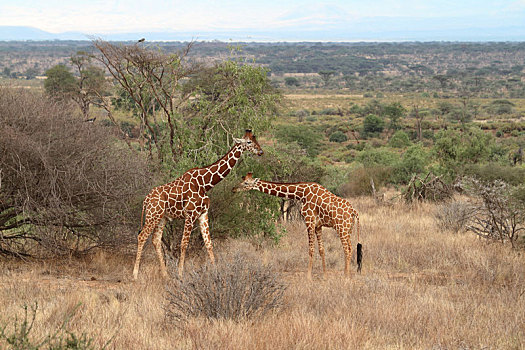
(116,16)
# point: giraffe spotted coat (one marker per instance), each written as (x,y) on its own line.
(320,208)
(186,198)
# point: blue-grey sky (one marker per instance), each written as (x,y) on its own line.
(121,16)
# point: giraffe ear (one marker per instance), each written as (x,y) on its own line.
(236,140)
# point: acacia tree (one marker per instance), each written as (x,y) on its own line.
(91,82)
(85,89)
(187,108)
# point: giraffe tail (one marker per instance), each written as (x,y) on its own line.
(359,250)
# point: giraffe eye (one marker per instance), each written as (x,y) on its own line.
(249,142)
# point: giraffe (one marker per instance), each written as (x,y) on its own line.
(185,198)
(320,208)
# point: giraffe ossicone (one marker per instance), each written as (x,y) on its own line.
(320,208)
(186,198)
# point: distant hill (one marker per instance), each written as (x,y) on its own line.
(31,33)
(334,29)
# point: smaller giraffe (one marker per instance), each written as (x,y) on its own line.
(186,198)
(320,208)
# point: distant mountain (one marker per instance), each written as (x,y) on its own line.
(31,33)
(336,27)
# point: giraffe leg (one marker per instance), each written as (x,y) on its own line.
(311,249)
(345,242)
(318,234)
(188,226)
(142,238)
(205,232)
(157,243)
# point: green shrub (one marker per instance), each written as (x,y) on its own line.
(454,149)
(338,136)
(307,138)
(370,157)
(399,140)
(414,161)
(373,124)
(493,171)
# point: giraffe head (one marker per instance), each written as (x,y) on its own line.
(248,183)
(249,143)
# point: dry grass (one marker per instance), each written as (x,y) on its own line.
(421,288)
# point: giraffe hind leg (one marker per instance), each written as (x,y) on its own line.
(157,243)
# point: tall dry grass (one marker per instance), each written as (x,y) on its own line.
(421,288)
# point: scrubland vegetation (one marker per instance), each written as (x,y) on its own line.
(426,143)
(421,287)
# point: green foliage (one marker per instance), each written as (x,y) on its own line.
(414,161)
(373,125)
(491,172)
(306,138)
(399,140)
(291,81)
(395,112)
(60,81)
(454,149)
(501,107)
(371,157)
(338,136)
(334,178)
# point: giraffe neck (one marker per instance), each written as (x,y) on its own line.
(221,168)
(294,191)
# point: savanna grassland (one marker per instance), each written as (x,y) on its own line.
(80,150)
(420,288)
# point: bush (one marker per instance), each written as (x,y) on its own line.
(359,181)
(499,209)
(493,171)
(414,161)
(307,138)
(338,136)
(399,140)
(370,157)
(373,124)
(66,185)
(235,289)
(453,216)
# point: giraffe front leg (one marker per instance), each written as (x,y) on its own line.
(157,243)
(205,232)
(188,226)
(319,235)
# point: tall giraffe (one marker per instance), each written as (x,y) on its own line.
(185,198)
(320,208)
